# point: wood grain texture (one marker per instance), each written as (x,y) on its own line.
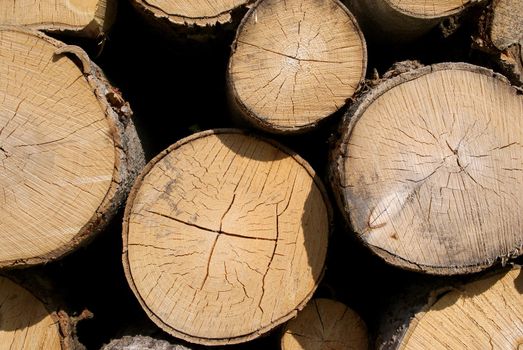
(225,237)
(25,323)
(485,314)
(199,13)
(63,149)
(325,325)
(90,18)
(294,63)
(430,169)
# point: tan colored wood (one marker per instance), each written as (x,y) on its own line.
(25,323)
(501,35)
(295,62)
(193,13)
(392,21)
(325,325)
(64,167)
(430,169)
(84,17)
(225,237)
(485,314)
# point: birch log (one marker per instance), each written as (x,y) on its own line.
(68,148)
(429,169)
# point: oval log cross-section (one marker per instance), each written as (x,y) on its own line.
(294,63)
(64,163)
(430,169)
(225,237)
(25,323)
(325,324)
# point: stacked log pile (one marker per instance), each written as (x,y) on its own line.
(267,175)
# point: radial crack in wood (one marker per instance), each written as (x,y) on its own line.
(485,314)
(325,324)
(90,18)
(429,170)
(294,63)
(66,160)
(225,237)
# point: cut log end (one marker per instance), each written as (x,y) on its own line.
(485,314)
(325,324)
(25,323)
(430,169)
(429,9)
(193,13)
(217,229)
(64,169)
(294,63)
(90,18)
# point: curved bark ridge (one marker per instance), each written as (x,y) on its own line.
(429,8)
(67,14)
(57,155)
(486,314)
(296,62)
(433,172)
(507,24)
(326,324)
(227,237)
(200,12)
(25,323)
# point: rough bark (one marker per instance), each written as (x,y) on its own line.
(86,18)
(295,63)
(325,324)
(428,170)
(481,314)
(501,36)
(68,148)
(217,229)
(396,21)
(141,343)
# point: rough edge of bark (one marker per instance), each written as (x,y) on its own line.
(42,290)
(125,229)
(508,60)
(240,110)
(140,342)
(417,300)
(337,155)
(96,29)
(183,30)
(129,156)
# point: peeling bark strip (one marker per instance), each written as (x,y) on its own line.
(89,18)
(68,155)
(325,324)
(501,35)
(404,20)
(429,170)
(484,314)
(294,63)
(225,237)
(192,13)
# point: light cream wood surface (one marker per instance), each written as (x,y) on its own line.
(88,17)
(225,237)
(430,169)
(325,325)
(428,8)
(486,314)
(195,12)
(295,63)
(63,163)
(25,324)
